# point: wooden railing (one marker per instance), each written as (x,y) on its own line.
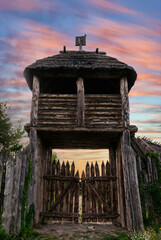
(57,110)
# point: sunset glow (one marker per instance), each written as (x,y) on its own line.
(127,30)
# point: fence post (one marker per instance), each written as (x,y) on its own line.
(7,206)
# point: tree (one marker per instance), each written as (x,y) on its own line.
(10,135)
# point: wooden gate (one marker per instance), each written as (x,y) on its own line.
(89,198)
(99,199)
(62,193)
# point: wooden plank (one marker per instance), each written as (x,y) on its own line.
(2,158)
(67,196)
(102,96)
(98,187)
(93,194)
(57,184)
(76,204)
(125,101)
(16,190)
(108,192)
(100,215)
(83,195)
(8,191)
(59,214)
(103,185)
(87,188)
(80,102)
(134,219)
(47,95)
(71,207)
(113,185)
(105,113)
(53,171)
(35,100)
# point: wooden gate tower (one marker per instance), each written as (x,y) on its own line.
(80,101)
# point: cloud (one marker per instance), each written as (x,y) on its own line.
(131,42)
(142,92)
(106,5)
(35,41)
(27,6)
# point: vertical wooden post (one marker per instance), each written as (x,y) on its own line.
(80,102)
(7,205)
(35,99)
(125,101)
(1,170)
(134,219)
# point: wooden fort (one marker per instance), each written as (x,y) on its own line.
(80,101)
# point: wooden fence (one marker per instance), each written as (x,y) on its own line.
(149,183)
(13,172)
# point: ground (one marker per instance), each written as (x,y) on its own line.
(76,231)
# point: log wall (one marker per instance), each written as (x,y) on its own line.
(59,111)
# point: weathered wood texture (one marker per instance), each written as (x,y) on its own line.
(129,198)
(147,172)
(95,111)
(41,161)
(62,190)
(125,101)
(16,170)
(80,102)
(96,193)
(35,100)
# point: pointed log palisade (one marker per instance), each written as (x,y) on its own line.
(80,101)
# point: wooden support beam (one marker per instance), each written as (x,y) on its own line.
(80,102)
(134,219)
(125,101)
(35,99)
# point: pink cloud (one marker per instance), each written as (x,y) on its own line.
(29,5)
(130,42)
(145,93)
(12,82)
(112,7)
(145,105)
(37,41)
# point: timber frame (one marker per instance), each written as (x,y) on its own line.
(91,121)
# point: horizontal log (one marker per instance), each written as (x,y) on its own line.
(104,108)
(55,123)
(61,118)
(103,95)
(99,215)
(105,178)
(56,108)
(102,112)
(102,123)
(108,129)
(86,95)
(61,178)
(46,95)
(61,104)
(57,113)
(103,104)
(59,214)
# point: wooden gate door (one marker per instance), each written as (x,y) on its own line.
(99,198)
(61,201)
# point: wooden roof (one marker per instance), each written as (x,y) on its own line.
(81,63)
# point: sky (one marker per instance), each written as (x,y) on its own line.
(127,30)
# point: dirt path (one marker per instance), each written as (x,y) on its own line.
(72,231)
